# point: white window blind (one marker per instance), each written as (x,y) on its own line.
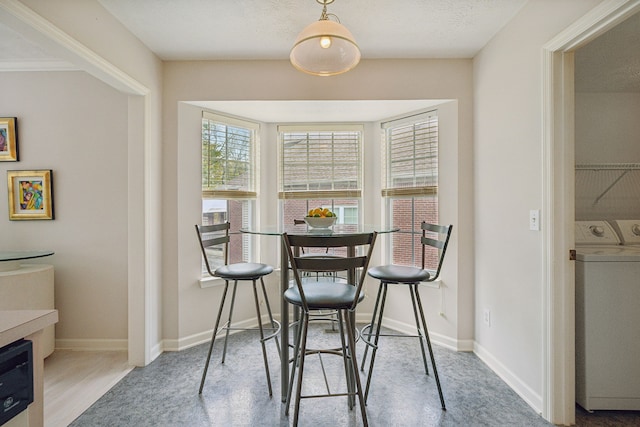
(320,161)
(228,157)
(411,156)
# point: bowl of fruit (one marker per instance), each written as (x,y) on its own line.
(320,218)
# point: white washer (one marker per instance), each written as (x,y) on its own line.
(607,317)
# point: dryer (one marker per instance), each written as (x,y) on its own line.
(607,316)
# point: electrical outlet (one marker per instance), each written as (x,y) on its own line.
(487,317)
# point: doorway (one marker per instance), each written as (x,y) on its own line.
(559,205)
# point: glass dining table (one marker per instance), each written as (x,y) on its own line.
(303,229)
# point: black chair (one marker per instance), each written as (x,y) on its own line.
(216,237)
(411,276)
(327,294)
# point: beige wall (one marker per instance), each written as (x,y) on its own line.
(508,180)
(62,127)
(84,34)
(277,80)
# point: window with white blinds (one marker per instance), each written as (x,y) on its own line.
(320,161)
(411,155)
(410,185)
(228,151)
(229,168)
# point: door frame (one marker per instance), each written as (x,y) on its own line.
(559,204)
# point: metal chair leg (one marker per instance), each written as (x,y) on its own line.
(301,353)
(433,360)
(272,322)
(413,290)
(348,367)
(370,327)
(296,352)
(213,337)
(352,356)
(262,340)
(233,304)
(374,350)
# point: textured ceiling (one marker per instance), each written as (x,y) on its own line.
(611,63)
(265,29)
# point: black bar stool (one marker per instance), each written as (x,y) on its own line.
(217,236)
(327,294)
(411,276)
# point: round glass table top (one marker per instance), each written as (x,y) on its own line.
(21,255)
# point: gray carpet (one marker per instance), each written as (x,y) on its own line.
(165,393)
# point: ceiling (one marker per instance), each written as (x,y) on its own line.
(611,63)
(265,29)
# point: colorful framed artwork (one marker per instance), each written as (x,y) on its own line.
(30,194)
(8,139)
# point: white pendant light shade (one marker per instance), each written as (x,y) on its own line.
(325,48)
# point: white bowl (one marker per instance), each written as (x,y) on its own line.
(320,222)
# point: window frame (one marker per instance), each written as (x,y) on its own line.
(416,194)
(334,197)
(246,196)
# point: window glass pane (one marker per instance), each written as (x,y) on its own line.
(408,214)
(227,162)
(238,213)
(320,160)
(346,210)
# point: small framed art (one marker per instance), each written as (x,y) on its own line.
(30,194)
(8,139)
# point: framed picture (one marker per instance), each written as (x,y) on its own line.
(8,139)
(30,194)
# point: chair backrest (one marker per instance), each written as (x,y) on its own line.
(214,235)
(301,264)
(440,242)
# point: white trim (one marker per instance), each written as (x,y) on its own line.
(92,344)
(193,340)
(26,21)
(519,386)
(40,65)
(558,380)
(410,329)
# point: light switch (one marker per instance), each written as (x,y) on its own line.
(534,220)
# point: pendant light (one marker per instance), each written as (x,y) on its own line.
(325,48)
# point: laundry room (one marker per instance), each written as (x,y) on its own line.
(607,219)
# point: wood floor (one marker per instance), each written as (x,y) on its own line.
(74,380)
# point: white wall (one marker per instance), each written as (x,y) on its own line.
(607,131)
(277,80)
(607,127)
(508,183)
(84,34)
(75,125)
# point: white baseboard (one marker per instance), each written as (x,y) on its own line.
(204,337)
(532,398)
(439,339)
(92,344)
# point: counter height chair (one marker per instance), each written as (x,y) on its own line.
(412,277)
(327,294)
(216,237)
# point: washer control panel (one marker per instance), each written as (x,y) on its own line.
(596,233)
